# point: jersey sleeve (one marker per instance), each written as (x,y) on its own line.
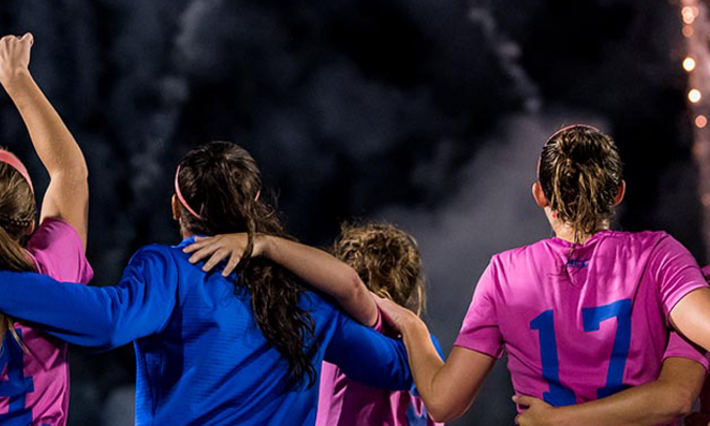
(480,331)
(59,251)
(676,272)
(369,357)
(679,347)
(103,317)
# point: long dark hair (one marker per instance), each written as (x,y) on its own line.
(17,215)
(222,183)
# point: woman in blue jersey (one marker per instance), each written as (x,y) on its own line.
(210,349)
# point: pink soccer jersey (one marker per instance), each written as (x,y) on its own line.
(34,386)
(343,402)
(581,325)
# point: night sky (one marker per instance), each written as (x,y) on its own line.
(426,113)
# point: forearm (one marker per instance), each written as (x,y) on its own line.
(79,314)
(645,405)
(325,273)
(426,366)
(89,316)
(53,142)
(369,357)
(668,398)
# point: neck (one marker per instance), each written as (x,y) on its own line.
(565,232)
(185,233)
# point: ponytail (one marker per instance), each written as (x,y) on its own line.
(221,182)
(580,173)
(12,258)
(18,209)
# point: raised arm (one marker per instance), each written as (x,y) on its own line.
(104,317)
(316,267)
(67,196)
(447,389)
(667,399)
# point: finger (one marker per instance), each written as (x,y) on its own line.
(202,253)
(197,245)
(28,38)
(525,401)
(233,262)
(217,257)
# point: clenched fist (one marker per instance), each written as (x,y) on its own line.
(14,56)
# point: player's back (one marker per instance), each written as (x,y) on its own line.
(210,364)
(581,322)
(34,385)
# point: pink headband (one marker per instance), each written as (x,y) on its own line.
(9,158)
(181,198)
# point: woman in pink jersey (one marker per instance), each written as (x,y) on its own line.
(34,381)
(583,316)
(387,261)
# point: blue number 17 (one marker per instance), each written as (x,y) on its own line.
(592,318)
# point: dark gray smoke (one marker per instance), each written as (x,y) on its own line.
(427,113)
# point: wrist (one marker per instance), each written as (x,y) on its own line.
(15,78)
(556,417)
(410,323)
(263,245)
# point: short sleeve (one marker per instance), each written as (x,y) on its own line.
(480,331)
(679,347)
(59,252)
(676,272)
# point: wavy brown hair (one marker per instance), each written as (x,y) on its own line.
(387,260)
(580,173)
(17,215)
(222,182)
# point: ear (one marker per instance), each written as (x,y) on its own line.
(539,195)
(175,205)
(258,194)
(620,195)
(30,229)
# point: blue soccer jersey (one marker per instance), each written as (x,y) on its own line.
(201,358)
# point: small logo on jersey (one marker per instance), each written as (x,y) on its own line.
(578,263)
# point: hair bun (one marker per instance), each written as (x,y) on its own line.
(580,143)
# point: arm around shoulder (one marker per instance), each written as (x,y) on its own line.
(104,317)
